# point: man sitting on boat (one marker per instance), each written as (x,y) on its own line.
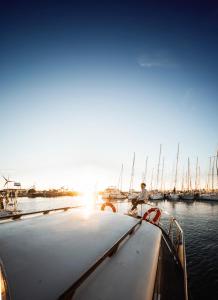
(142,198)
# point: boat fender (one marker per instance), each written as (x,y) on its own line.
(108,204)
(156,217)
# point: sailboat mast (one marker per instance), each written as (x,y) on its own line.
(132,173)
(146,168)
(120,181)
(199,177)
(161,187)
(182,185)
(158,166)
(121,178)
(152,173)
(208,176)
(187,181)
(188,174)
(212,179)
(177,160)
(217,169)
(196,175)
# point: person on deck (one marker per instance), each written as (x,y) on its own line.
(142,198)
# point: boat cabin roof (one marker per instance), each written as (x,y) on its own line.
(44,256)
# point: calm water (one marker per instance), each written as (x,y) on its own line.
(199,221)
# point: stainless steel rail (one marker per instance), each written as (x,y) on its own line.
(182,254)
(43,212)
(173,230)
(176,236)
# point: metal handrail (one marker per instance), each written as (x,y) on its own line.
(176,241)
(180,242)
(44,212)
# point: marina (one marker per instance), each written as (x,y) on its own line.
(109,150)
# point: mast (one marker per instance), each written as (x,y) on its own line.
(161,187)
(189,181)
(217,169)
(158,166)
(145,173)
(208,177)
(177,160)
(172,177)
(120,181)
(132,173)
(152,173)
(212,173)
(186,180)
(196,175)
(182,185)
(199,177)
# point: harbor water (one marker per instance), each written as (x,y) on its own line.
(199,221)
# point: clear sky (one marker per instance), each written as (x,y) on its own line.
(85,84)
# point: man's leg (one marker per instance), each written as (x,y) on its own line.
(134,204)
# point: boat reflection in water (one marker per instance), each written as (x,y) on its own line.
(85,253)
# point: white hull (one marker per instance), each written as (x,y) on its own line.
(173,197)
(156,197)
(209,197)
(187,197)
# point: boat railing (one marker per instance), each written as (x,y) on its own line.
(18,216)
(172,229)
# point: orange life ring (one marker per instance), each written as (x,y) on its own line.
(108,204)
(156,217)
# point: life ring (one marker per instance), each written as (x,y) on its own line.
(156,217)
(108,204)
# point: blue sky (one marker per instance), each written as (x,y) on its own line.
(83,86)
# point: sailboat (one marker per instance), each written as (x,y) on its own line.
(211,194)
(188,195)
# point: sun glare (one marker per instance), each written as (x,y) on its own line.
(89,200)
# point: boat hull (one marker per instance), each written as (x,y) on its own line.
(157,197)
(188,197)
(173,197)
(209,197)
